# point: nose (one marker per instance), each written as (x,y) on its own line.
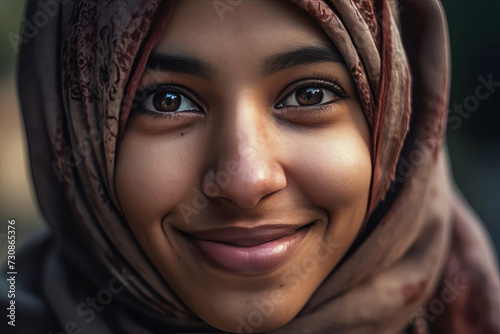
(246,166)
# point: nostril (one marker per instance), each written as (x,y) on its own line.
(244,188)
(246,167)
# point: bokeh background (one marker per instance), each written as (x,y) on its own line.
(474,145)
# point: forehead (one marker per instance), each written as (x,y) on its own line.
(255,27)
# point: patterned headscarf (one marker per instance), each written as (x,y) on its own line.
(77,79)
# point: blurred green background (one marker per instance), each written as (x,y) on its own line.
(474,145)
(17,200)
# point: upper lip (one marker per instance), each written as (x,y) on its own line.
(246,236)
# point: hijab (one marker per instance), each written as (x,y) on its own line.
(422,264)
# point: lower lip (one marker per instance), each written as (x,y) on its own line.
(251,259)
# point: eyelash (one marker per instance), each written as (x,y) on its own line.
(319,81)
(156,87)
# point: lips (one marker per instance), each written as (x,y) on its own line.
(241,236)
(249,250)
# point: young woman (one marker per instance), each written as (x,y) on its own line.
(247,166)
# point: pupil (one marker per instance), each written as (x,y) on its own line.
(166,101)
(307,96)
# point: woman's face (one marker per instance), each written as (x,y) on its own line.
(245,171)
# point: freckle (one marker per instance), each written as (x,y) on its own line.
(179,257)
(282,285)
(248,301)
(182,133)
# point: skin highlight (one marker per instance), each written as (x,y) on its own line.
(244,154)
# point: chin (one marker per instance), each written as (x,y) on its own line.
(258,318)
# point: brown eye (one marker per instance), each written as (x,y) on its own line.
(307,96)
(166,101)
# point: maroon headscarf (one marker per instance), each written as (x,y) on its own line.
(422,264)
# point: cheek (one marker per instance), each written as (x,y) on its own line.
(153,175)
(334,170)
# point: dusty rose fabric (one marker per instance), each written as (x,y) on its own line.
(423,264)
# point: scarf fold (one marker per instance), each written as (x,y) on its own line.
(77,80)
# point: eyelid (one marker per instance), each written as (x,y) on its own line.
(316,81)
(147,91)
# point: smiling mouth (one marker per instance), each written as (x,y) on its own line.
(248,250)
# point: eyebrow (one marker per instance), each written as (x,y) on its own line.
(302,56)
(179,62)
(184,63)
